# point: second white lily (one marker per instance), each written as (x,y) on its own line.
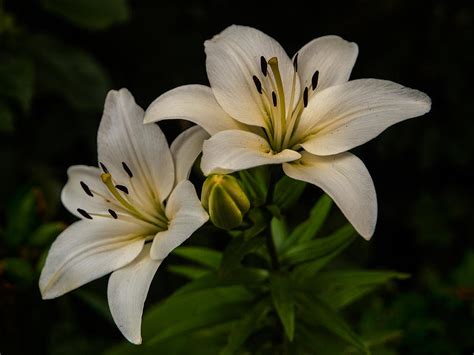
(134,211)
(265,108)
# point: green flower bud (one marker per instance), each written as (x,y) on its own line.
(225,200)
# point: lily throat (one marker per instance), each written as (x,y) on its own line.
(121,202)
(280,111)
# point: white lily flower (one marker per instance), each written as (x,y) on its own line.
(134,211)
(265,108)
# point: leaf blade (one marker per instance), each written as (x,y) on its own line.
(282,296)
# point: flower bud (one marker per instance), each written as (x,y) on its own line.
(225,200)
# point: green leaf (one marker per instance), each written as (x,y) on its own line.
(189,272)
(282,294)
(185,312)
(21,217)
(237,249)
(45,234)
(316,312)
(6,119)
(341,288)
(279,231)
(17,79)
(256,183)
(238,276)
(287,192)
(317,217)
(18,270)
(310,227)
(248,324)
(319,248)
(70,73)
(204,256)
(93,15)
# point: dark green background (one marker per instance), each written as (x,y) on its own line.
(422,168)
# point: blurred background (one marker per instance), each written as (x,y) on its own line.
(58,59)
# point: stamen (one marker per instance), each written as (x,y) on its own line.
(258,84)
(273,63)
(122,188)
(295,62)
(127,169)
(314,80)
(263,65)
(104,168)
(86,189)
(305,97)
(113,213)
(159,220)
(84,213)
(274,98)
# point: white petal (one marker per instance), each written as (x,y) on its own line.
(332,56)
(87,250)
(127,291)
(185,149)
(195,103)
(231,151)
(233,58)
(346,180)
(186,215)
(345,116)
(73,195)
(123,138)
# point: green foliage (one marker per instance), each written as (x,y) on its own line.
(283,299)
(21,217)
(287,192)
(204,256)
(343,287)
(319,248)
(311,226)
(18,270)
(189,272)
(256,182)
(92,15)
(45,234)
(252,321)
(69,73)
(315,312)
(17,79)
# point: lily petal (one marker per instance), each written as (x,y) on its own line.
(331,56)
(195,103)
(346,180)
(231,151)
(342,117)
(186,215)
(127,291)
(233,58)
(123,138)
(84,190)
(185,149)
(87,250)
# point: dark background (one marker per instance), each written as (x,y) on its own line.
(422,168)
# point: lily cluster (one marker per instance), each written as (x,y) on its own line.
(261,108)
